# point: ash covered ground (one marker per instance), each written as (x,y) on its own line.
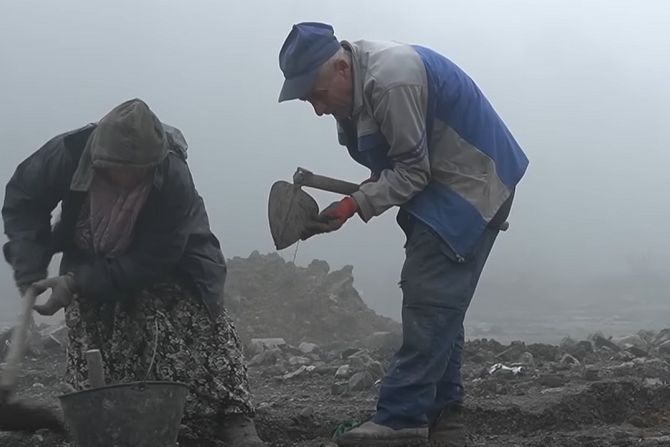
(316,354)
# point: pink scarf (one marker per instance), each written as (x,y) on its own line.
(107,221)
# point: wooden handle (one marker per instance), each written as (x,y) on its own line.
(303,177)
(17,347)
(96,373)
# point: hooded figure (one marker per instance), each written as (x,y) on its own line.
(142,275)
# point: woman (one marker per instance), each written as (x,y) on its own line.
(142,275)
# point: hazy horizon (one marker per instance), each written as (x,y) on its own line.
(581,85)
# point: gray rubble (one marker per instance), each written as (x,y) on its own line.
(269,297)
(317,356)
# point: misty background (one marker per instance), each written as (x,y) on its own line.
(583,86)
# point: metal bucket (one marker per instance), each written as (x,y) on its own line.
(137,414)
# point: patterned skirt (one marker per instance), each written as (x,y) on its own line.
(164,333)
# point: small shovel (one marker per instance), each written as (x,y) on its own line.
(290,208)
(17,416)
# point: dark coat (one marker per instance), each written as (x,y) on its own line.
(172,235)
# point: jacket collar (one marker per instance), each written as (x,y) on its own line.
(357,76)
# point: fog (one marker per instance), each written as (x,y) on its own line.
(583,86)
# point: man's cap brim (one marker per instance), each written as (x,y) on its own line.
(298,86)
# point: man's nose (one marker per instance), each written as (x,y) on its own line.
(319,108)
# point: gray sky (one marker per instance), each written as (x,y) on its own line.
(583,85)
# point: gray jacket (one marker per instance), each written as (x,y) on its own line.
(439,149)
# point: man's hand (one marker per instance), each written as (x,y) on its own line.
(332,218)
(62,292)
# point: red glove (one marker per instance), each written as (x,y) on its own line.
(341,211)
(332,218)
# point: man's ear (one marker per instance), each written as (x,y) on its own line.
(341,65)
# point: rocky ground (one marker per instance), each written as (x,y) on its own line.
(315,379)
(595,392)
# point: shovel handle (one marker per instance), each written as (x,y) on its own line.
(303,177)
(96,373)
(17,345)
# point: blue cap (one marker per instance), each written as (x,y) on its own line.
(307,47)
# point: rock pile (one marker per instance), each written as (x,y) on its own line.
(490,368)
(352,369)
(519,369)
(269,297)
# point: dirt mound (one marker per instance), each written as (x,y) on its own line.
(269,297)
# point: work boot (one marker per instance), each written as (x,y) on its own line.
(370,434)
(239,430)
(448,430)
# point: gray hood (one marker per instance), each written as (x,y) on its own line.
(131,135)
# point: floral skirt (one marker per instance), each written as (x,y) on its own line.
(164,333)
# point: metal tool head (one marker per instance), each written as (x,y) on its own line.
(289,210)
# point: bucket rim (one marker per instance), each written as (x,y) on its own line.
(124,385)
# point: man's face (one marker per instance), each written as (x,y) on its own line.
(332,91)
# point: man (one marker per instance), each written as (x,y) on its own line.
(142,274)
(436,149)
